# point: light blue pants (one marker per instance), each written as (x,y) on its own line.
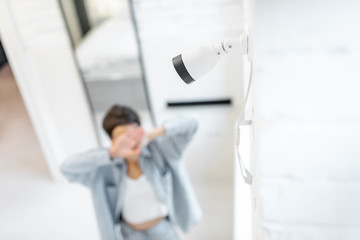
(161,231)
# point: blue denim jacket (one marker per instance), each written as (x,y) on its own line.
(161,163)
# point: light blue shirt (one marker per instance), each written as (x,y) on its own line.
(161,163)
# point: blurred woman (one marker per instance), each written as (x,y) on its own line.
(140,184)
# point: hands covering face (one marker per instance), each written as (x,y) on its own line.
(128,144)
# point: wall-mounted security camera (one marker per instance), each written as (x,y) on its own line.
(193,64)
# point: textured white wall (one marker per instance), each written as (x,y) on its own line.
(307,119)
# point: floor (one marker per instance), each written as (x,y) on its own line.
(32,206)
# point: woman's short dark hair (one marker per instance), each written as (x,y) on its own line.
(119,115)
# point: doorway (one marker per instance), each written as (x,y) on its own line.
(21,155)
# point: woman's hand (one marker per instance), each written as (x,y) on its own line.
(128,144)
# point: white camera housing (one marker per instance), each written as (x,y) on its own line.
(193,64)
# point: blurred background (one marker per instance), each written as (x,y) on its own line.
(69,62)
(63,63)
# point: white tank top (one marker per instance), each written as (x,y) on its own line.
(141,203)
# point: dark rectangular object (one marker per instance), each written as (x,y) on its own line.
(82,15)
(3,58)
(226,101)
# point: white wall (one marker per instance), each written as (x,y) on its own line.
(39,51)
(307,119)
(167,29)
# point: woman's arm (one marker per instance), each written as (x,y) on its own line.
(152,134)
(178,133)
(181,127)
(82,167)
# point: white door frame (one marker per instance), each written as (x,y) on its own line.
(46,74)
